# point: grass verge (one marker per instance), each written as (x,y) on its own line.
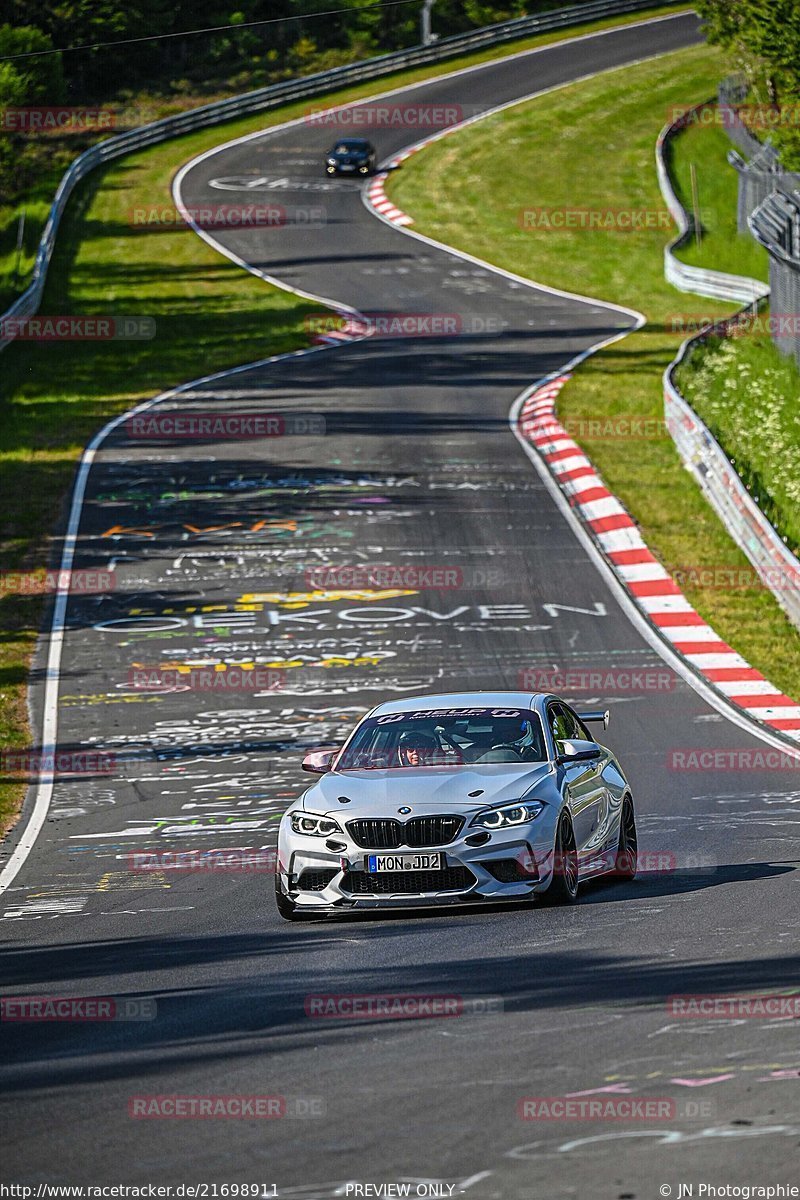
(721,247)
(45,163)
(597,140)
(210,315)
(748,394)
(745,390)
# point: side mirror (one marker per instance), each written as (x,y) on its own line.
(319,761)
(578,750)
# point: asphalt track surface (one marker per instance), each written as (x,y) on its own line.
(417,466)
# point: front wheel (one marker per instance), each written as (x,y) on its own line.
(563,888)
(286,907)
(627,848)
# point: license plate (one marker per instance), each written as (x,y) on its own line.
(348,167)
(403,862)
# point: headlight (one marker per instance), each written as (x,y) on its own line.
(331,162)
(509,814)
(312,825)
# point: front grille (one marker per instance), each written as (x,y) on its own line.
(510,870)
(316,880)
(379,834)
(451,879)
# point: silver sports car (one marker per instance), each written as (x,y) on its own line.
(454,799)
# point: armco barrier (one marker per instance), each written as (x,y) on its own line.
(283,93)
(744,520)
(716,284)
(699,450)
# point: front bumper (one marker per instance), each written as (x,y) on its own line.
(353,168)
(320,879)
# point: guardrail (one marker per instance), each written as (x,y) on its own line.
(775,564)
(717,285)
(699,450)
(282,93)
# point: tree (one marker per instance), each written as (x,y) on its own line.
(763,37)
(29,80)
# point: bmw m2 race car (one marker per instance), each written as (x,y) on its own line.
(454,799)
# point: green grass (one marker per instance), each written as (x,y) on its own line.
(210,315)
(15,269)
(748,394)
(721,246)
(597,140)
(744,388)
(45,163)
(38,164)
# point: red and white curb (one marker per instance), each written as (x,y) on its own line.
(642,575)
(378,200)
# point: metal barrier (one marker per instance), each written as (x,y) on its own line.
(775,564)
(700,280)
(699,450)
(283,93)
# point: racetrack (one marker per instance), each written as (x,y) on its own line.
(211,545)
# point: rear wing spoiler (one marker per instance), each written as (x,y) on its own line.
(602,716)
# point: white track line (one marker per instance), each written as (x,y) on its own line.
(45,778)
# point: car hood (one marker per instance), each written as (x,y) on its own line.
(425,791)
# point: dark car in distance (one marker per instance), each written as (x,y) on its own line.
(354,156)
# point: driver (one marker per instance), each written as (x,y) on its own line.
(415,749)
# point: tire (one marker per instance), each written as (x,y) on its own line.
(563,888)
(625,864)
(286,907)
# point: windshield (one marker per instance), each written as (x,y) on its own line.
(445,737)
(350,147)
